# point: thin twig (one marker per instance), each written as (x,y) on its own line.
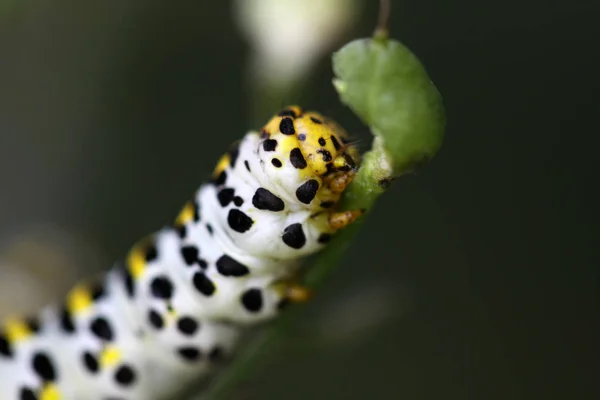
(382,29)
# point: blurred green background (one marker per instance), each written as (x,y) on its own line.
(474,279)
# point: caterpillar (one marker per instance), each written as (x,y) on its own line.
(175,306)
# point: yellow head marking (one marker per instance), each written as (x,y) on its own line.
(49,392)
(109,356)
(16,329)
(79,299)
(136,261)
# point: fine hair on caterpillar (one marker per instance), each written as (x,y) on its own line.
(163,317)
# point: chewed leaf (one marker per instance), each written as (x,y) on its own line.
(387,87)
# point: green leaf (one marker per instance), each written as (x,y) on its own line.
(387,87)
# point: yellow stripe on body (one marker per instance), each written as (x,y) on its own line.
(79,299)
(16,329)
(109,356)
(50,392)
(186,214)
(222,165)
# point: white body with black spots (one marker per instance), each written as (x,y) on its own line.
(160,320)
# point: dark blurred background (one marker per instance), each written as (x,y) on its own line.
(484,285)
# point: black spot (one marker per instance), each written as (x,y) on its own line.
(33,324)
(322,141)
(307,191)
(293,236)
(287,113)
(181,231)
(327,204)
(239,221)
(97,290)
(125,375)
(270,145)
(335,142)
(189,353)
(202,263)
(188,326)
(161,287)
(209,229)
(155,319)
(238,201)
(203,284)
(225,196)
(330,169)
(197,207)
(90,362)
(302,137)
(315,120)
(276,163)
(221,178)
(66,321)
(252,300)
(101,328)
(190,254)
(286,126)
(43,367)
(228,266)
(324,238)
(5,348)
(264,134)
(151,253)
(216,354)
(325,154)
(247,165)
(349,160)
(234,152)
(263,199)
(297,159)
(27,394)
(128,280)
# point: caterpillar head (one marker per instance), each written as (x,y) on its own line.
(306,146)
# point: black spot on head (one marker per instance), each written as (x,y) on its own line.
(189,254)
(216,354)
(189,353)
(203,284)
(276,163)
(209,229)
(239,221)
(297,159)
(307,191)
(234,152)
(252,300)
(221,178)
(90,362)
(293,236)
(286,126)
(335,142)
(155,319)
(27,394)
(66,321)
(101,328)
(225,196)
(324,238)
(322,141)
(5,348)
(187,325)
(315,120)
(287,113)
(228,266)
(238,201)
(325,154)
(330,169)
(161,287)
(270,145)
(302,137)
(125,375)
(43,367)
(247,165)
(263,199)
(327,204)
